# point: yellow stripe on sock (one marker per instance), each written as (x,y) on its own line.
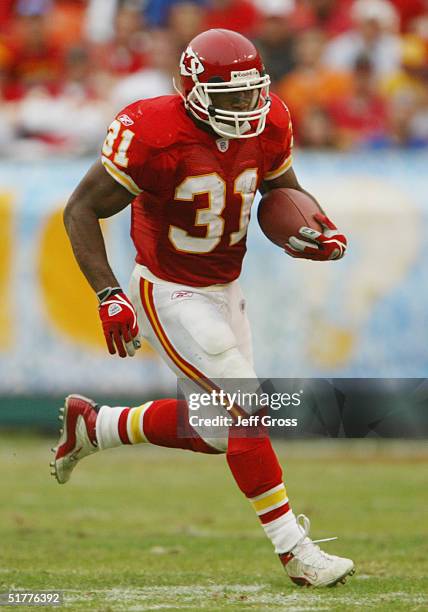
(270,500)
(135,428)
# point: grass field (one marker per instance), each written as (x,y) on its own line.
(152,529)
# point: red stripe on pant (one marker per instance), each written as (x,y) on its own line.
(162,336)
(189,370)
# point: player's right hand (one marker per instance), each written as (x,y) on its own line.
(318,246)
(119,321)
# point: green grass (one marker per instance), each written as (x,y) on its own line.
(147,529)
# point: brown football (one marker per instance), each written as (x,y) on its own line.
(282,212)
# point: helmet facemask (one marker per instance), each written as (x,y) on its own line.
(232,123)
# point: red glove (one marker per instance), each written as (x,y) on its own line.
(119,321)
(330,244)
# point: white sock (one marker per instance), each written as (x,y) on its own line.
(107,427)
(284,532)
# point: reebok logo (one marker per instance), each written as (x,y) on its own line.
(238,75)
(181,294)
(125,120)
(114,309)
(311,232)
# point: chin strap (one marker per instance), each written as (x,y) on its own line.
(180,93)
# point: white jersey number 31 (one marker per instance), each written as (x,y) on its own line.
(210,217)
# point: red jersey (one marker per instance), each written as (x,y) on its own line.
(194,188)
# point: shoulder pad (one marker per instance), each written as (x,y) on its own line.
(279,115)
(157,122)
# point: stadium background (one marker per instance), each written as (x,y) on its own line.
(129,532)
(355,76)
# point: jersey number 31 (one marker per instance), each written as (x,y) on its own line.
(211,184)
(210,217)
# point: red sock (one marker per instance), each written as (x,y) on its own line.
(258,474)
(166,423)
(254,464)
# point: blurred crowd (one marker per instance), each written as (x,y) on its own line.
(354,73)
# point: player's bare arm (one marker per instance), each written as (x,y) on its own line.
(99,196)
(288,180)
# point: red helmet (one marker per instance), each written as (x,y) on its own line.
(222,61)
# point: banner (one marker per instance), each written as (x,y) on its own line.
(363,316)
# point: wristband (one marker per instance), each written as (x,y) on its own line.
(107,292)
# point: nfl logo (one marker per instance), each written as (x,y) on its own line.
(222,145)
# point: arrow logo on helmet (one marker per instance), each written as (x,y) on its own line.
(190,64)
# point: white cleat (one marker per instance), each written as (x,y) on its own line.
(77,437)
(307,565)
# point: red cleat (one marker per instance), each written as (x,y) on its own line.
(77,439)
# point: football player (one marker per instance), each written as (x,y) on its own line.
(191,164)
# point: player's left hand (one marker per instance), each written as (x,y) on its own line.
(319,246)
(119,321)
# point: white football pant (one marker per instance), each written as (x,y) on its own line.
(200,332)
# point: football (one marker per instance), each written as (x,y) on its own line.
(282,212)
